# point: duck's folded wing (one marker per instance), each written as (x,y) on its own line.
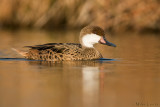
(57,47)
(53,51)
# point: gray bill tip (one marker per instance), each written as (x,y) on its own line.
(108,43)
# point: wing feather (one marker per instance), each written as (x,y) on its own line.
(55,46)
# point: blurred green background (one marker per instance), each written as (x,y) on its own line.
(112,15)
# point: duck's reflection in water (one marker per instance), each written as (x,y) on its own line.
(90,85)
(93,84)
(91,63)
(87,76)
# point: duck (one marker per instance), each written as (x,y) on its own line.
(84,50)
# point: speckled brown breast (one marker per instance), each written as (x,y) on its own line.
(61,52)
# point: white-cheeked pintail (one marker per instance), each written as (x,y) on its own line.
(89,36)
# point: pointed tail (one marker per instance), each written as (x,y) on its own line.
(20,52)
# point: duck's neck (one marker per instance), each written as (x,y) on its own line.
(91,53)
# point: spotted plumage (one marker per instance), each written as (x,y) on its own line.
(61,52)
(70,51)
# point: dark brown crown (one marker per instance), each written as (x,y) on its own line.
(92,30)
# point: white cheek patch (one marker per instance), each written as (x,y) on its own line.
(90,39)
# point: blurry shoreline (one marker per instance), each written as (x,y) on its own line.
(112,15)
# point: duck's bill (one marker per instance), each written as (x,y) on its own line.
(105,42)
(110,44)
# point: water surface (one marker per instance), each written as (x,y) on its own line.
(130,80)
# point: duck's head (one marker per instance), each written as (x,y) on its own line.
(91,35)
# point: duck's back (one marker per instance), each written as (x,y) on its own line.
(55,52)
